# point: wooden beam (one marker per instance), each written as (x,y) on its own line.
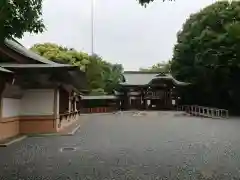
(13,55)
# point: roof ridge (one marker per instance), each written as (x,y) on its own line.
(20,49)
(139,72)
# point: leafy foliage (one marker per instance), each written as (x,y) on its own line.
(159,67)
(19,16)
(95,74)
(102,77)
(62,54)
(207,55)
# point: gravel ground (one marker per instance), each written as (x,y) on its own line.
(130,146)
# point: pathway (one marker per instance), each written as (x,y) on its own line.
(130,145)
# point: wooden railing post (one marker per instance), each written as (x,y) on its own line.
(205,111)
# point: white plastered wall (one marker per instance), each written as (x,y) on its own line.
(10,107)
(11,100)
(33,102)
(37,102)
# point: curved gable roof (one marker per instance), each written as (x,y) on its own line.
(138,78)
(20,49)
(5,70)
(168,77)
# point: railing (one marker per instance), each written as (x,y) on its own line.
(204,111)
(67,117)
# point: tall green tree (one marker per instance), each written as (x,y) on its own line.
(20,16)
(62,54)
(207,55)
(95,73)
(112,77)
(103,77)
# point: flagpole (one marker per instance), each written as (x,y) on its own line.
(92,27)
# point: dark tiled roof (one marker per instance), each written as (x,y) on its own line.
(7,65)
(140,72)
(99,97)
(170,77)
(138,78)
(69,74)
(17,47)
(5,70)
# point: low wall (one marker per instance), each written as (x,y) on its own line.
(37,124)
(13,126)
(9,129)
(98,110)
(37,102)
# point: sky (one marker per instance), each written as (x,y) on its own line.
(124,31)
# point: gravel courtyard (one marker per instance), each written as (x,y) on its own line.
(130,146)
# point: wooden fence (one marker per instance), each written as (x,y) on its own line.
(98,110)
(204,111)
(68,117)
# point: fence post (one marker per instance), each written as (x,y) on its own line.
(217,113)
(204,111)
(198,111)
(226,113)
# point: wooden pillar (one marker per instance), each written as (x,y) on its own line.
(129,102)
(126,101)
(147,105)
(69,103)
(75,104)
(143,99)
(166,98)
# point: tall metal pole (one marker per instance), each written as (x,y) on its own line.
(92,27)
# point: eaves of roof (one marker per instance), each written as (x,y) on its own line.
(5,70)
(20,49)
(9,65)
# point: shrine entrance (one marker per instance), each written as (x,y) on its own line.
(160,93)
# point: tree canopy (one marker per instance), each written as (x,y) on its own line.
(102,76)
(207,54)
(20,16)
(164,67)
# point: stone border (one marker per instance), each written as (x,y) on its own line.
(74,130)
(5,144)
(108,113)
(56,134)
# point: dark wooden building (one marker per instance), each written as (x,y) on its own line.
(99,104)
(148,90)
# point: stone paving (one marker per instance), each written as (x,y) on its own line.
(130,146)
